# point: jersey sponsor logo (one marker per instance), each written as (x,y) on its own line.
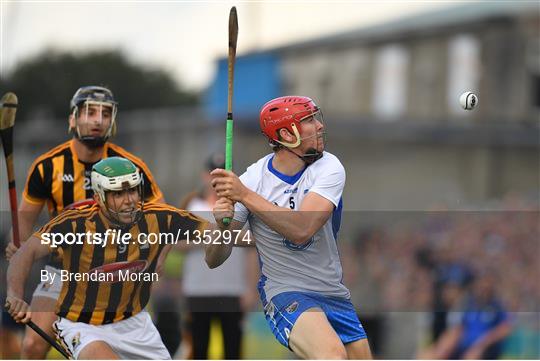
(291,191)
(113,270)
(66,177)
(292,307)
(297,247)
(306,190)
(270,309)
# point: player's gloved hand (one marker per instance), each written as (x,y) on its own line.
(18,309)
(223,208)
(227,184)
(10,250)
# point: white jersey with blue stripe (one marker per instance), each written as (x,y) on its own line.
(310,267)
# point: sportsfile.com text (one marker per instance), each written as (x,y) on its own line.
(119,237)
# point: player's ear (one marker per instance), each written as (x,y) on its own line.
(71,120)
(286,136)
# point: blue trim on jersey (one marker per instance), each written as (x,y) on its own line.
(336,225)
(262,281)
(260,288)
(298,247)
(284,309)
(290,179)
(336,218)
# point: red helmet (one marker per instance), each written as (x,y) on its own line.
(286,112)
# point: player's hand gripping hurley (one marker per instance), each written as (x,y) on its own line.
(233,37)
(7,121)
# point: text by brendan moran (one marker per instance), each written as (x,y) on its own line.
(114,276)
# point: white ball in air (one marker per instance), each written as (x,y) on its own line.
(468,100)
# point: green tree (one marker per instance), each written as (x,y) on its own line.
(47,82)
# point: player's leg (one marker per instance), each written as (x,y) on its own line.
(359,350)
(200,331)
(84,341)
(316,326)
(231,325)
(299,323)
(34,346)
(98,350)
(312,337)
(137,338)
(199,326)
(344,320)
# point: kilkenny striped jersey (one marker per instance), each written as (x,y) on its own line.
(102,300)
(59,178)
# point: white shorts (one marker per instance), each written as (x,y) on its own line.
(48,289)
(133,338)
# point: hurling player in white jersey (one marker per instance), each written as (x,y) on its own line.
(291,200)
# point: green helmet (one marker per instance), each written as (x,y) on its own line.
(116,174)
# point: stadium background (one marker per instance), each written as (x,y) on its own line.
(423,175)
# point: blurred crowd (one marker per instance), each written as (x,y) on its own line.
(436,260)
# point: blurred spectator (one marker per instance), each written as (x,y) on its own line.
(447,269)
(479,331)
(165,303)
(222,294)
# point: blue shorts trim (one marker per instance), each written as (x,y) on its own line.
(284,309)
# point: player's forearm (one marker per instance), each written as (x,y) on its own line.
(216,254)
(297,227)
(17,273)
(21,263)
(218,251)
(28,215)
(26,224)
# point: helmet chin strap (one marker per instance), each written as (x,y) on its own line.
(114,216)
(311,155)
(92,142)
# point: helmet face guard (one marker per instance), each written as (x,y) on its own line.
(92,98)
(116,174)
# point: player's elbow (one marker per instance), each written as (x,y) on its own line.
(215,257)
(301,237)
(211,261)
